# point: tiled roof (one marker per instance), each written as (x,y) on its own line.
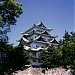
(54,41)
(41,24)
(45,33)
(40,39)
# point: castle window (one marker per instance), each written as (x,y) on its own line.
(48,39)
(34,54)
(37,46)
(42,46)
(39,30)
(38,54)
(31,39)
(35,36)
(32,45)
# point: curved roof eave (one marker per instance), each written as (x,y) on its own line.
(25,40)
(29,29)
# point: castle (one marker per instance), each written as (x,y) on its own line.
(37,39)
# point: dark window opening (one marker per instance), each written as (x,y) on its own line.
(42,47)
(34,54)
(48,39)
(37,46)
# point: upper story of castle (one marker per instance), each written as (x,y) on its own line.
(39,28)
(38,32)
(38,36)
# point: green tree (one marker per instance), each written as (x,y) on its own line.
(10,10)
(12,58)
(20,58)
(66,36)
(67,49)
(64,55)
(4,52)
(48,58)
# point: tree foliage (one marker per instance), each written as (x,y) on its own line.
(20,57)
(64,55)
(67,49)
(10,10)
(12,58)
(5,50)
(47,57)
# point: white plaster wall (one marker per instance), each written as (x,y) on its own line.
(36,29)
(35,63)
(32,37)
(37,54)
(41,30)
(35,36)
(33,45)
(46,38)
(29,38)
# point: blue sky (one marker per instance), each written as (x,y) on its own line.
(56,14)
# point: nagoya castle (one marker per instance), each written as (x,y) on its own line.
(35,40)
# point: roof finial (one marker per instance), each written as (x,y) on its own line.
(40,21)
